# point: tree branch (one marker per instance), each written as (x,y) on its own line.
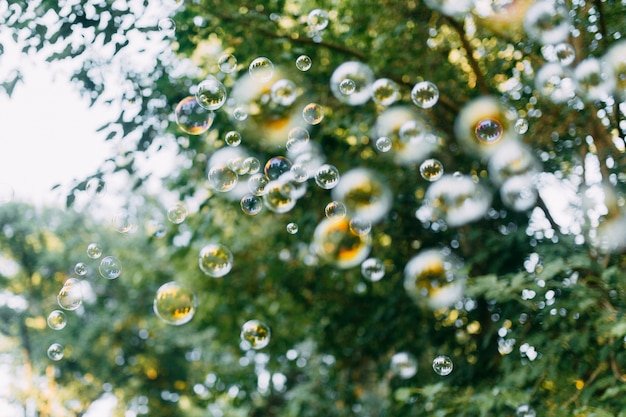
(469,51)
(601,367)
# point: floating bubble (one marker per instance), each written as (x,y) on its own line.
(174,303)
(125,222)
(55,352)
(300,173)
(110,267)
(232,138)
(555,83)
(192,118)
(385,92)
(413,132)
(222,179)
(251,204)
(383,144)
(547,22)
(317,20)
(360,226)
(167,26)
(425,94)
(333,242)
(177,213)
(327,176)
(80,268)
(6,193)
(335,209)
(278,196)
(521,126)
(431,170)
(252,165)
(237,165)
(277,166)
(594,79)
(347,86)
(433,280)
(155,228)
(525,410)
(512,159)
(363,77)
(455,8)
(255,334)
(442,365)
(373,269)
(284,92)
(215,260)
(615,58)
(365,194)
(70,297)
(519,192)
(240,113)
(313,113)
(564,53)
(261,69)
(211,94)
(227,63)
(94,251)
(403,365)
(57,320)
(488,131)
(297,138)
(257,184)
(292,228)
(304,63)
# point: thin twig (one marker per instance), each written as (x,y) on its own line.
(542,205)
(480,78)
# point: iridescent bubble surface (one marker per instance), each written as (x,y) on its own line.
(174,303)
(227,63)
(94,251)
(222,179)
(335,209)
(317,19)
(80,269)
(489,131)
(261,69)
(385,92)
(192,118)
(110,267)
(255,334)
(333,242)
(177,213)
(215,260)
(276,166)
(70,297)
(233,138)
(251,204)
(327,176)
(211,94)
(284,92)
(57,320)
(313,113)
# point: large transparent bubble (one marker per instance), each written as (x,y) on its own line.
(365,194)
(335,243)
(215,260)
(547,22)
(174,303)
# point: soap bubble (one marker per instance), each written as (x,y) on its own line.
(385,92)
(519,192)
(347,86)
(277,166)
(240,113)
(55,352)
(57,320)
(335,209)
(222,179)
(360,226)
(431,170)
(442,365)
(155,228)
(292,228)
(192,118)
(278,196)
(615,58)
(80,268)
(525,410)
(261,69)
(211,94)
(304,62)
(595,80)
(317,20)
(363,77)
(232,138)
(547,22)
(252,165)
(236,164)
(300,173)
(404,365)
(365,194)
(521,126)
(284,92)
(110,267)
(454,8)
(167,26)
(177,213)
(174,303)
(488,131)
(125,222)
(6,193)
(333,242)
(373,269)
(227,63)
(255,334)
(555,83)
(251,204)
(432,278)
(413,132)
(425,94)
(327,176)
(313,113)
(70,297)
(94,251)
(564,53)
(383,144)
(257,184)
(215,260)
(297,138)
(512,159)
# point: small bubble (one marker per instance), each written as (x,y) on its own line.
(124,222)
(222,179)
(252,164)
(292,228)
(70,297)
(257,183)
(255,334)
(304,62)
(276,166)
(547,22)
(192,118)
(300,173)
(313,113)
(110,267)
(327,176)
(431,170)
(317,20)
(174,303)
(521,126)
(360,226)
(284,92)
(232,138)
(227,63)
(404,365)
(565,53)
(335,209)
(94,251)
(80,268)
(215,260)
(383,144)
(251,204)
(55,352)
(385,92)
(488,131)
(57,320)
(167,26)
(211,94)
(261,69)
(425,94)
(240,113)
(373,269)
(347,86)
(297,138)
(177,213)
(442,365)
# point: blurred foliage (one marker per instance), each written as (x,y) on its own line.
(542,319)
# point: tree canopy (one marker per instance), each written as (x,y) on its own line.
(384,209)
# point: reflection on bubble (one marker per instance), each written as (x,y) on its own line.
(547,22)
(564,53)
(192,118)
(518,192)
(425,94)
(240,113)
(55,352)
(512,159)
(313,113)
(177,213)
(385,92)
(488,131)
(334,242)
(292,228)
(297,138)
(433,280)
(80,268)
(215,260)
(373,269)
(317,20)
(255,334)
(442,365)
(383,144)
(278,196)
(94,251)
(57,320)
(110,267)
(222,179)
(167,26)
(155,228)
(431,170)
(403,365)
(327,176)
(174,303)
(70,297)
(304,63)
(335,209)
(300,173)
(251,204)
(555,83)
(257,183)
(347,86)
(261,69)
(521,126)
(363,77)
(594,79)
(233,138)
(276,166)
(252,165)
(525,410)
(365,194)
(125,222)
(284,92)
(227,63)
(360,226)
(211,94)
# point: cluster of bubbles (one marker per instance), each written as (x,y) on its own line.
(404,365)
